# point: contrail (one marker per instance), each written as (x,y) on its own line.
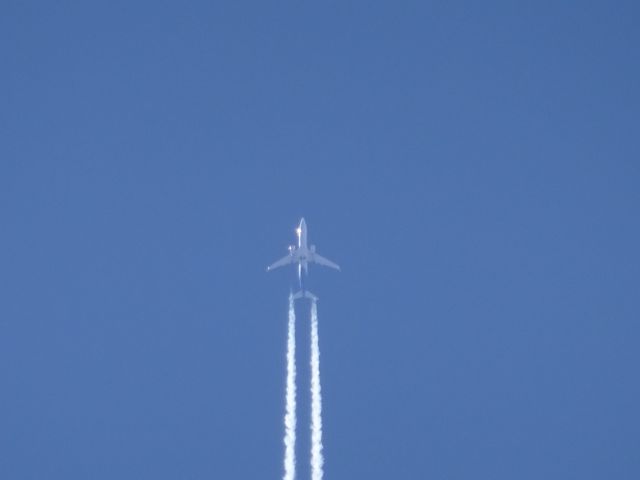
(317,459)
(290,411)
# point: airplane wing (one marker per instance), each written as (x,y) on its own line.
(281,263)
(320,260)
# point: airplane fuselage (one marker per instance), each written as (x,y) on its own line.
(303,250)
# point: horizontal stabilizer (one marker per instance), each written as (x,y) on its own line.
(305,294)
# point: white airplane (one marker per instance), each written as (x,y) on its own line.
(302,255)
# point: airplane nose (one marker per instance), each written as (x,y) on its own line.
(302,222)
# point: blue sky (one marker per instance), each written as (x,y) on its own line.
(473,168)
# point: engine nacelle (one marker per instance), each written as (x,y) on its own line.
(292,248)
(313,248)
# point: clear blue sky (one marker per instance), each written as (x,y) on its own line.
(473,166)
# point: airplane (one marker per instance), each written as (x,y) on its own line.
(302,255)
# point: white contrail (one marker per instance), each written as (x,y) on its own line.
(290,411)
(317,459)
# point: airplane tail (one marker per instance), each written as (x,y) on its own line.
(305,294)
